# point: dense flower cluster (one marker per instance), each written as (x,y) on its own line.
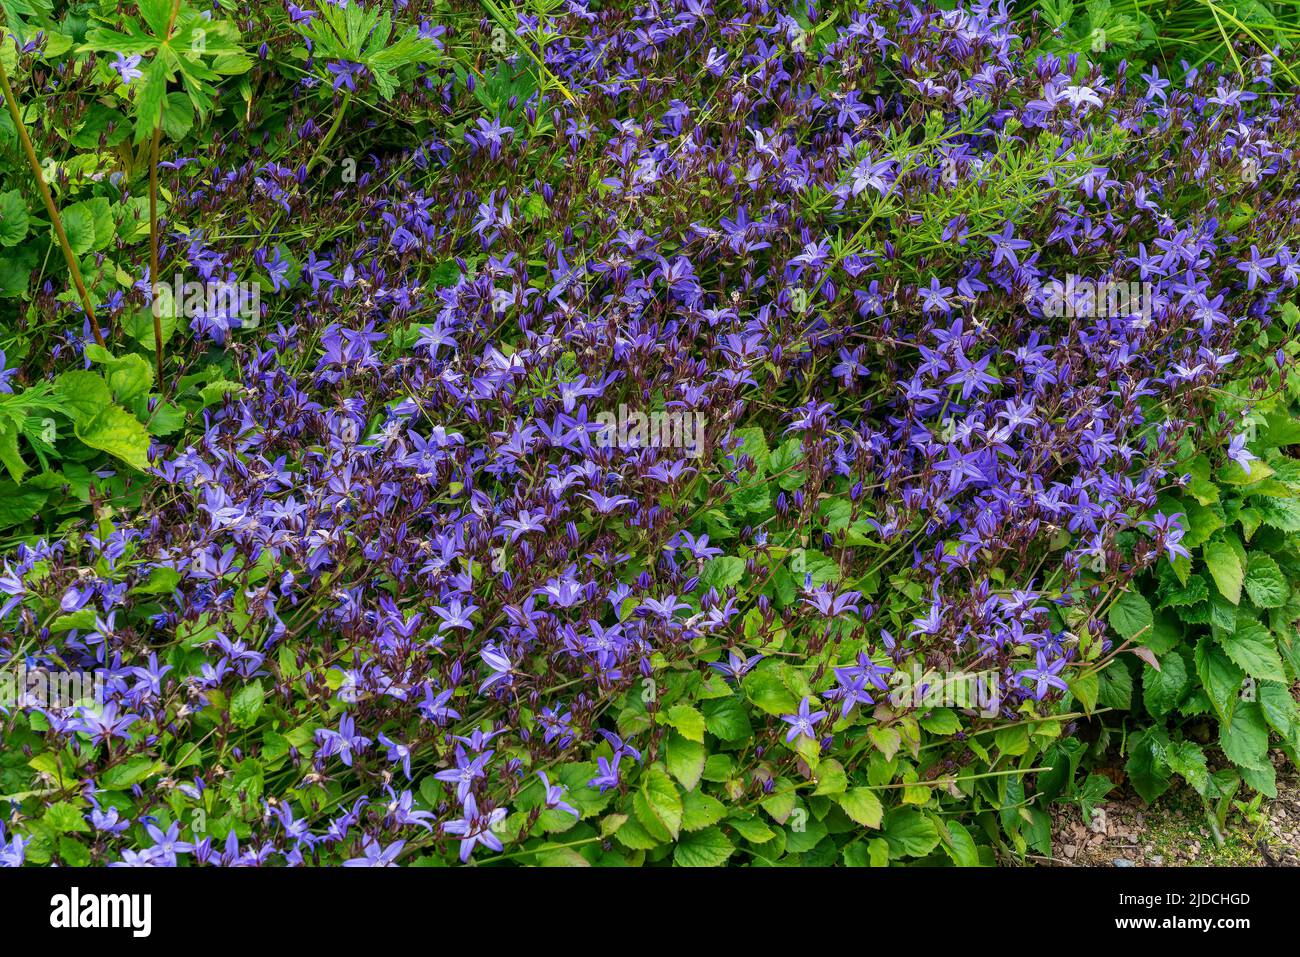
(398,593)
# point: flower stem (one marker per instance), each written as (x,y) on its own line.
(153,255)
(49,205)
(153,224)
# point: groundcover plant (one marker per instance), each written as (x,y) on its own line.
(677,432)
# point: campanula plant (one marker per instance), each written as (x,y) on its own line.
(736,435)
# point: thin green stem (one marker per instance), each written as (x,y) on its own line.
(153,224)
(49,205)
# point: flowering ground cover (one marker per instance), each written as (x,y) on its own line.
(663,433)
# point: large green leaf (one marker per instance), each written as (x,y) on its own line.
(685,760)
(727,718)
(13,218)
(84,394)
(910,833)
(862,806)
(129,377)
(1265,583)
(1225,569)
(658,805)
(1163,689)
(1130,615)
(1220,678)
(1186,759)
(1253,650)
(687,720)
(18,504)
(1244,738)
(117,432)
(706,848)
(722,572)
(1146,767)
(247,703)
(10,455)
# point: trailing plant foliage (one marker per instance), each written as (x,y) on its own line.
(385,585)
(1217,626)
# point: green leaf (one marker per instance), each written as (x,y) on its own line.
(636,838)
(79,227)
(156,13)
(83,619)
(722,572)
(1265,583)
(177,116)
(1279,710)
(862,806)
(1162,690)
(1225,568)
(765,688)
(699,810)
(1094,790)
(1187,760)
(73,852)
(830,777)
(95,216)
(1220,678)
(138,323)
(161,581)
(129,377)
(84,394)
(1086,689)
(960,846)
(754,444)
(726,718)
(1130,615)
(706,848)
(873,853)
(687,720)
(10,456)
(685,760)
(658,806)
(1244,738)
(130,772)
(214,392)
(1196,590)
(910,833)
(13,218)
(1013,740)
(1280,513)
(247,703)
(886,740)
(1116,687)
(1253,650)
(18,504)
(1146,768)
(167,419)
(1283,429)
(150,91)
(941,721)
(117,432)
(751,829)
(785,461)
(64,818)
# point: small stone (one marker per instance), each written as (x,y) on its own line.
(1157,860)
(1123,862)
